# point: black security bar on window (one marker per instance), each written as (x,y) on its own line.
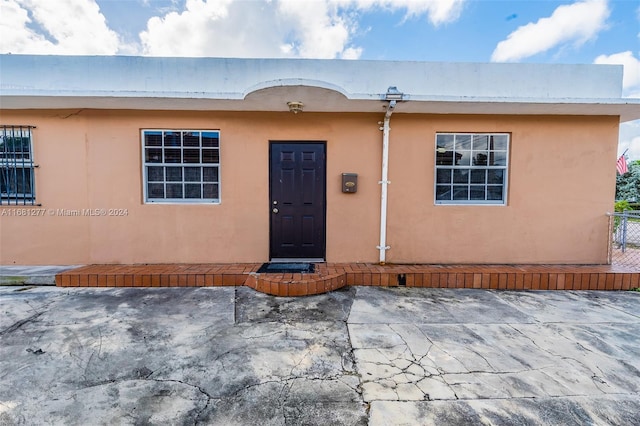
(17,180)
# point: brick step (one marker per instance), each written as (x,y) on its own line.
(288,285)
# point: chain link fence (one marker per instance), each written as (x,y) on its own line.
(624,244)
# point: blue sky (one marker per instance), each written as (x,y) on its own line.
(538,31)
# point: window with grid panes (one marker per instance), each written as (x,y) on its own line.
(181,166)
(471,168)
(16,166)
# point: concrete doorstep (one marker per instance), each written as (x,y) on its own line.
(357,356)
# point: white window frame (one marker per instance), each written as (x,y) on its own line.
(469,167)
(20,166)
(182,165)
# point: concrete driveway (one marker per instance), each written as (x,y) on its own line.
(365,355)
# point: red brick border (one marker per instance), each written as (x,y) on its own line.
(330,277)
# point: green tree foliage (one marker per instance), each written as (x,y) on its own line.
(622,205)
(628,184)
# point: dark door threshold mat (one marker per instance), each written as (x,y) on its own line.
(294,268)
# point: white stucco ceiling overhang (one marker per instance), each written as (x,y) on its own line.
(52,82)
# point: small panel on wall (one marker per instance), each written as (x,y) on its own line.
(349,182)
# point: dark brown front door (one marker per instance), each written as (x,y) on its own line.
(297,190)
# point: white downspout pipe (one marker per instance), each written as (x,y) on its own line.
(384,182)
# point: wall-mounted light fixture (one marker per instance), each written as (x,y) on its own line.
(295,107)
(393,94)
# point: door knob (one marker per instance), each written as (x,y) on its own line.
(275,210)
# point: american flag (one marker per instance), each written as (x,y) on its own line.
(621,165)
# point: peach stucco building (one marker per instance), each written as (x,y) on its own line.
(152,160)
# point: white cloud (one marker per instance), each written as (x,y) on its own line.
(55,27)
(248,29)
(319,31)
(437,11)
(235,28)
(631,77)
(575,23)
(631,146)
(352,53)
(275,28)
(629,140)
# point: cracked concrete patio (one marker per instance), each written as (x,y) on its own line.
(363,355)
